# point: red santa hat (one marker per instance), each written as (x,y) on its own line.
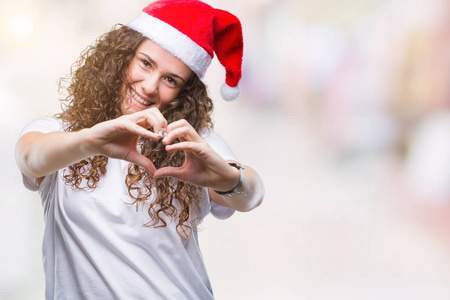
(192,31)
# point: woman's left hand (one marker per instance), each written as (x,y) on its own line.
(202,166)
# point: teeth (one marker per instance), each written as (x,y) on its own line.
(139,99)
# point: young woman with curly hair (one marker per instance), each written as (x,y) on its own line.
(131,166)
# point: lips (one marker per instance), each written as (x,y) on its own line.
(139,99)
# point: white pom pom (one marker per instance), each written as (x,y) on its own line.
(229,93)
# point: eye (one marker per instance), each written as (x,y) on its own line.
(171,81)
(145,63)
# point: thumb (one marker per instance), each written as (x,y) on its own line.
(174,172)
(141,160)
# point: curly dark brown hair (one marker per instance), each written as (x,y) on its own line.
(94,95)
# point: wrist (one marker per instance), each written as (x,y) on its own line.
(237,185)
(86,143)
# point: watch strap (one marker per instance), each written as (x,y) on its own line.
(239,184)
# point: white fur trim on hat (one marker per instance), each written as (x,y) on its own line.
(172,40)
(229,93)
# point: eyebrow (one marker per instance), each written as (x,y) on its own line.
(154,63)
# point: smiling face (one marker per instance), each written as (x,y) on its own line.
(156,78)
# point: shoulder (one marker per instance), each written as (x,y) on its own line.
(210,136)
(44,125)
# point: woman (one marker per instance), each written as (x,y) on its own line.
(131,166)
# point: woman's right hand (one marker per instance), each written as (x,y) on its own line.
(118,138)
(39,154)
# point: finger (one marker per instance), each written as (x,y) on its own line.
(186,146)
(129,123)
(138,130)
(195,148)
(155,118)
(178,124)
(141,160)
(183,133)
(176,173)
(151,117)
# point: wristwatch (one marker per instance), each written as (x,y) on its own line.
(239,184)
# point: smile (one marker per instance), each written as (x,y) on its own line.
(139,99)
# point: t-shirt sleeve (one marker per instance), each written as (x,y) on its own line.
(218,144)
(44,125)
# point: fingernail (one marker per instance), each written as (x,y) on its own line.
(164,134)
(164,139)
(160,133)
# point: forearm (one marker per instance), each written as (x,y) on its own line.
(249,196)
(39,154)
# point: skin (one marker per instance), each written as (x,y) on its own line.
(157,77)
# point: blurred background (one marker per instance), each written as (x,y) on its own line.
(345,114)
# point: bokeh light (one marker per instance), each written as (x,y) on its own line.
(344,112)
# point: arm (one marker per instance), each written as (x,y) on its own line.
(204,167)
(249,195)
(39,154)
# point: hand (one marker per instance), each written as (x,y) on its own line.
(118,138)
(202,166)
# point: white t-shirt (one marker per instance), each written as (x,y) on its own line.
(96,247)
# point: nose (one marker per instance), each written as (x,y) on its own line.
(150,84)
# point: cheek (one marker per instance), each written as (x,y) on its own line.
(169,94)
(125,101)
(133,71)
